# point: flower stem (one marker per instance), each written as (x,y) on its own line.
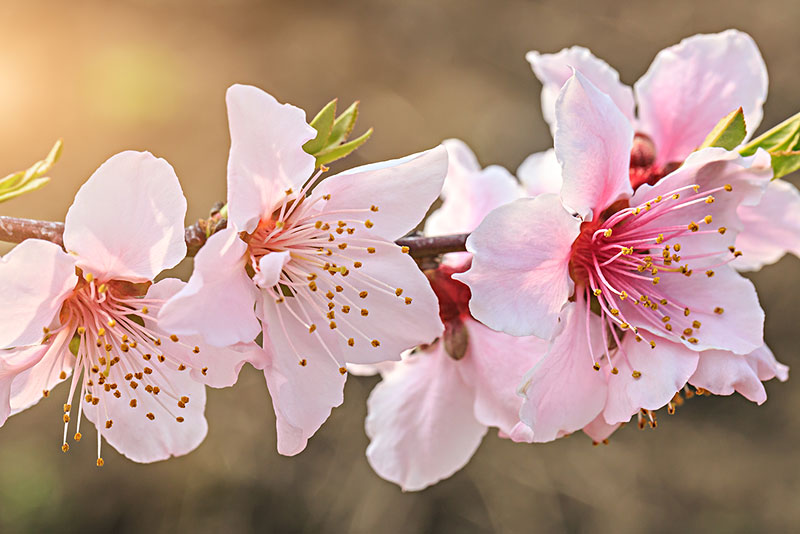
(16,230)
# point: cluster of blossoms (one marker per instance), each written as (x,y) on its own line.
(603,284)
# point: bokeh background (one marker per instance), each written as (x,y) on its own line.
(151,74)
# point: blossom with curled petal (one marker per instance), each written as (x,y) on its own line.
(91,313)
(655,261)
(315,267)
(688,88)
(429,414)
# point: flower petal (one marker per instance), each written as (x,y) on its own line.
(12,363)
(35,279)
(771,228)
(127,219)
(664,370)
(723,372)
(146,440)
(593,143)
(599,430)
(400,190)
(540,174)
(397,322)
(267,155)
(420,421)
(302,395)
(469,192)
(553,70)
(520,270)
(691,86)
(270,267)
(222,365)
(563,393)
(53,368)
(219,300)
(494,366)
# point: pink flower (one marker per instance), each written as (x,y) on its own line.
(141,387)
(687,90)
(429,414)
(655,259)
(315,267)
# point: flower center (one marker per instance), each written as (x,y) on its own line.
(622,258)
(117,358)
(643,168)
(331,274)
(453,297)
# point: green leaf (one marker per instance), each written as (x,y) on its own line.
(781,138)
(785,162)
(343,126)
(75,344)
(323,123)
(728,133)
(22,182)
(338,152)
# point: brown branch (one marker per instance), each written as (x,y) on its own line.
(15,230)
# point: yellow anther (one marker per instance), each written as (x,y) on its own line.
(696,188)
(180,419)
(364,312)
(614,312)
(318,225)
(687,332)
(398,291)
(728,187)
(371,250)
(196,349)
(77,436)
(709,273)
(676,196)
(668,327)
(357,264)
(665,319)
(373,208)
(596,366)
(408,300)
(342,370)
(342,246)
(332,325)
(368,223)
(288,191)
(312,328)
(404,250)
(100,462)
(660,239)
(312,286)
(376,343)
(718,310)
(636,374)
(623,295)
(62,375)
(614,371)
(133,403)
(81,330)
(696,324)
(109,423)
(150,416)
(102,288)
(351,341)
(89,277)
(101,332)
(652,344)
(279,224)
(66,418)
(658,199)
(686,312)
(65,447)
(709,199)
(692,340)
(326,197)
(597,292)
(346,309)
(693,226)
(303,362)
(656,280)
(204,370)
(607,233)
(624,326)
(707,219)
(330,295)
(363,294)
(339,289)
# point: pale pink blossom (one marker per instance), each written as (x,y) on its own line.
(141,386)
(429,414)
(688,88)
(315,267)
(656,260)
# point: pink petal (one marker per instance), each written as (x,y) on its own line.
(563,392)
(520,271)
(219,300)
(222,364)
(722,372)
(664,370)
(420,421)
(402,190)
(394,323)
(270,267)
(494,366)
(771,228)
(144,440)
(12,363)
(469,192)
(127,220)
(267,155)
(599,430)
(540,174)
(593,142)
(553,70)
(302,395)
(29,386)
(35,279)
(709,169)
(692,85)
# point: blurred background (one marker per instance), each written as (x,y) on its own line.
(151,74)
